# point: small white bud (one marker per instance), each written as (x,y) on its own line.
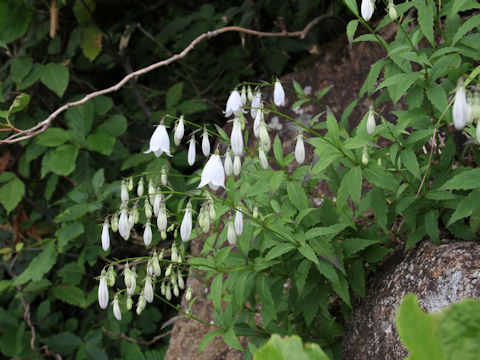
(179,131)
(237,165)
(105,236)
(264,137)
(255,211)
(371,120)
(188,294)
(157,201)
(169,270)
(129,302)
(256,100)
(231,236)
(163,288)
(478,131)
(365,156)
(130,184)
(367,9)
(176,292)
(151,191)
(123,225)
(168,292)
(140,187)
(278,94)
(111,276)
(163,177)
(228,164)
(236,138)
(186,226)
(114,223)
(131,222)
(181,282)
(262,158)
(141,303)
(392,11)
(191,151)
(103,291)
(124,192)
(148,290)
(300,149)
(249,94)
(259,118)
(147,234)
(205,142)
(116,309)
(243,95)
(460,108)
(135,214)
(238,222)
(162,218)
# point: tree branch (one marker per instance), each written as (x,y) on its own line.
(43,125)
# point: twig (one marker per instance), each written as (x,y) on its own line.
(43,125)
(142,342)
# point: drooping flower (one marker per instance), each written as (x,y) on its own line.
(278,94)
(460,107)
(179,131)
(257,99)
(103,291)
(236,137)
(124,191)
(234,103)
(148,290)
(123,226)
(300,149)
(243,95)
(116,309)
(237,165)
(367,9)
(140,187)
(186,226)
(238,222)
(147,234)
(228,163)
(264,137)
(392,11)
(231,236)
(191,151)
(371,121)
(159,142)
(213,174)
(105,236)
(258,120)
(262,158)
(162,218)
(205,142)
(478,132)
(141,303)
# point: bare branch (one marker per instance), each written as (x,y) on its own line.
(43,125)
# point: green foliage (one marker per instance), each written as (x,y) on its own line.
(290,347)
(449,334)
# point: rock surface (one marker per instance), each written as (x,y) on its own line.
(438,275)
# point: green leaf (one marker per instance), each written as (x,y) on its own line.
(265,296)
(68,232)
(62,160)
(279,250)
(351,28)
(380,177)
(353,180)
(11,193)
(332,126)
(20,102)
(352,246)
(352,5)
(101,142)
(52,137)
(207,339)
(308,253)
(410,161)
(174,94)
(324,231)
(231,339)
(468,25)
(431,225)
(70,294)
(216,291)
(55,77)
(379,206)
(372,77)
(297,196)
(83,10)
(288,348)
(115,125)
(418,331)
(63,342)
(14,20)
(425,20)
(327,155)
(80,118)
(467,180)
(39,266)
(91,42)
(398,84)
(466,207)
(72,213)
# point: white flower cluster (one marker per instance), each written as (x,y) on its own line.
(466,109)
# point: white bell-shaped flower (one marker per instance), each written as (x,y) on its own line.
(237,165)
(159,142)
(148,290)
(460,107)
(162,218)
(234,103)
(236,137)
(262,158)
(186,226)
(191,151)
(228,163)
(371,121)
(257,99)
(116,309)
(124,191)
(238,222)
(147,234)
(179,131)
(141,303)
(140,187)
(264,137)
(300,149)
(133,282)
(103,291)
(278,94)
(367,8)
(205,142)
(123,225)
(213,174)
(105,236)
(243,95)
(231,236)
(258,120)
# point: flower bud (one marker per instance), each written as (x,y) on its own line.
(114,223)
(151,191)
(211,211)
(392,11)
(478,131)
(129,302)
(180,281)
(169,270)
(176,292)
(116,309)
(258,120)
(365,156)
(123,225)
(278,94)
(237,165)
(140,187)
(236,138)
(147,234)
(131,222)
(228,164)
(186,226)
(124,191)
(205,142)
(135,214)
(371,120)
(300,149)
(460,106)
(163,177)
(264,137)
(157,201)
(148,210)
(141,303)
(163,234)
(470,108)
(238,222)
(130,184)
(168,292)
(105,236)
(255,211)
(179,131)
(162,218)
(188,294)
(149,267)
(231,236)
(367,9)
(157,270)
(174,255)
(111,276)
(191,151)
(148,290)
(256,100)
(103,290)
(243,95)
(262,158)
(163,288)
(249,93)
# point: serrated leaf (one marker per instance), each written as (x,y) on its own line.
(68,232)
(332,126)
(352,246)
(11,193)
(279,250)
(216,291)
(39,266)
(425,20)
(372,77)
(466,207)
(62,160)
(466,27)
(398,84)
(297,196)
(379,206)
(55,77)
(101,142)
(353,180)
(231,339)
(431,225)
(380,177)
(20,102)
(52,137)
(174,94)
(63,342)
(277,150)
(70,294)
(467,180)
(410,161)
(207,339)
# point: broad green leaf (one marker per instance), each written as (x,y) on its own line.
(115,125)
(174,94)
(352,5)
(207,339)
(308,253)
(410,161)
(379,206)
(52,137)
(466,27)
(39,266)
(356,277)
(467,180)
(353,180)
(324,231)
(70,294)
(83,10)
(431,225)
(62,160)
(355,143)
(327,155)
(101,141)
(351,28)
(55,77)
(64,342)
(418,331)
(68,232)
(352,246)
(20,67)
(15,18)
(231,339)
(437,96)
(11,193)
(20,102)
(277,150)
(91,42)
(80,118)
(425,19)
(297,196)
(268,311)
(332,126)
(398,84)
(289,348)
(216,291)
(372,77)
(380,177)
(466,207)
(103,104)
(279,250)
